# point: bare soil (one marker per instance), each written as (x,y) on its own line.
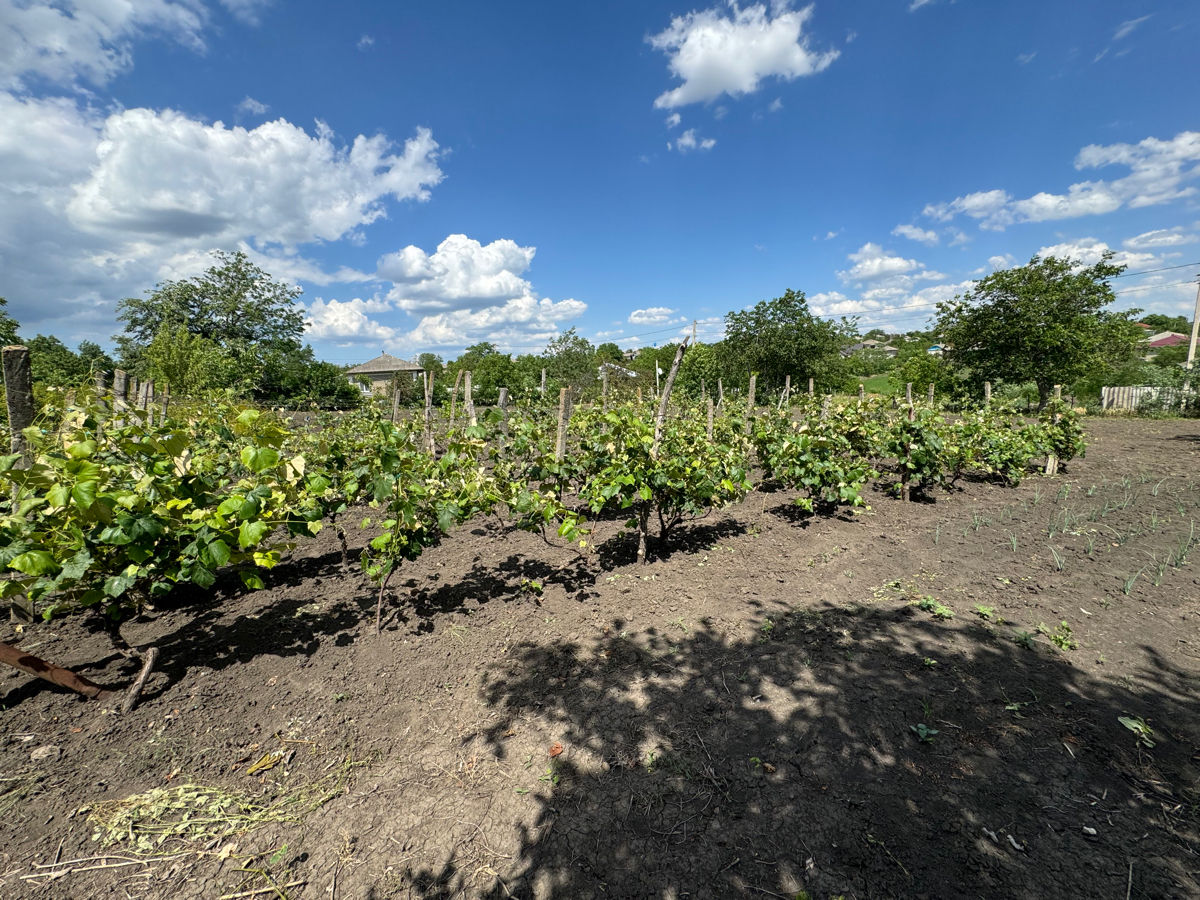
(772,706)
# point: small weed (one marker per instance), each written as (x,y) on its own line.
(1012,541)
(930,604)
(1063,638)
(1059,562)
(1127,588)
(985,612)
(924,732)
(930,662)
(1136,724)
(927,709)
(765,629)
(1024,639)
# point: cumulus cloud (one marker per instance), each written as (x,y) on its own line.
(673,120)
(872,262)
(653,315)
(518,323)
(460,274)
(138,196)
(688,142)
(913,233)
(1160,238)
(347,321)
(1089,251)
(715,52)
(247,11)
(76,41)
(366,42)
(160,176)
(1158,173)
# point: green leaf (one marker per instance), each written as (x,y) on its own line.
(34,562)
(252,581)
(259,459)
(84,494)
(250,533)
(219,552)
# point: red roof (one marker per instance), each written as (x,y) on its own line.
(1170,340)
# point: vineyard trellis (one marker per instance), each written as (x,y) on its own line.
(104,513)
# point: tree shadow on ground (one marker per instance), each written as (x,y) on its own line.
(687,537)
(862,753)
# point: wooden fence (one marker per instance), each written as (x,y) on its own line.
(1139,398)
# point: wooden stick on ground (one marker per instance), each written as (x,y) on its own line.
(34,665)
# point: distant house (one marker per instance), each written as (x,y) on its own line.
(937,350)
(380,371)
(613,370)
(1165,339)
(874,345)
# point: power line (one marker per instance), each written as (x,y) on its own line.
(1160,269)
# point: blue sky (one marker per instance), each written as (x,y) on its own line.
(436,174)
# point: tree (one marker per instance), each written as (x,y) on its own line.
(8,325)
(187,362)
(52,362)
(609,352)
(781,337)
(234,304)
(569,361)
(490,370)
(94,358)
(1158,322)
(1044,322)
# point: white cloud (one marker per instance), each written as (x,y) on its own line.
(252,107)
(76,40)
(1126,28)
(366,42)
(775,106)
(247,11)
(688,142)
(140,196)
(1160,237)
(460,274)
(872,262)
(161,176)
(715,53)
(673,120)
(653,315)
(913,233)
(1089,251)
(1158,172)
(917,4)
(1025,59)
(1002,261)
(346,320)
(521,322)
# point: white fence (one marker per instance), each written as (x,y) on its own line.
(1135,397)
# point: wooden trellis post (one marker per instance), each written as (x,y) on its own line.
(750,398)
(987,393)
(908,393)
(560,443)
(18,395)
(1052,459)
(427,436)
(931,393)
(469,402)
(862,392)
(811,387)
(710,417)
(543,387)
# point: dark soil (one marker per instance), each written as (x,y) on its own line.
(740,717)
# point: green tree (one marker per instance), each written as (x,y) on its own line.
(609,352)
(8,325)
(52,362)
(94,358)
(1159,322)
(234,304)
(698,371)
(1044,322)
(781,337)
(490,370)
(188,362)
(569,361)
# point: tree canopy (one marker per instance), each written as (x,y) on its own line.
(1043,322)
(781,337)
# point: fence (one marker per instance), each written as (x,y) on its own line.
(1148,398)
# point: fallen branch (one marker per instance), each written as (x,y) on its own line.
(135,689)
(264,890)
(34,665)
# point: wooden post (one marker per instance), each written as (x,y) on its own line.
(905,491)
(543,388)
(862,392)
(395,398)
(787,391)
(560,443)
(18,391)
(811,387)
(987,393)
(120,390)
(825,406)
(750,398)
(720,393)
(100,384)
(502,405)
(931,393)
(1051,459)
(469,402)
(666,395)
(604,389)
(639,395)
(710,417)
(18,394)
(454,398)
(908,393)
(135,391)
(427,435)
(148,394)
(166,399)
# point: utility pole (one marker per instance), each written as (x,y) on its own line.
(1187,384)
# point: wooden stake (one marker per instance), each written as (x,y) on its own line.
(862,392)
(987,393)
(908,393)
(750,398)
(427,435)
(604,389)
(120,390)
(502,405)
(469,402)
(395,400)
(560,443)
(710,417)
(27,662)
(811,387)
(720,393)
(1051,459)
(787,391)
(666,395)
(454,398)
(18,391)
(543,388)
(931,393)
(166,399)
